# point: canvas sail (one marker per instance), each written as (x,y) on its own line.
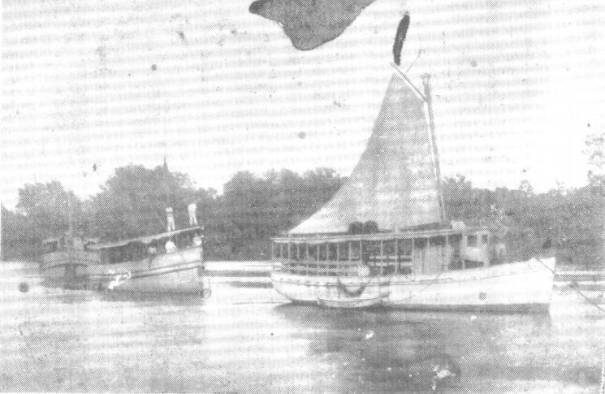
(395,183)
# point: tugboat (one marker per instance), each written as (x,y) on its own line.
(384,238)
(169,262)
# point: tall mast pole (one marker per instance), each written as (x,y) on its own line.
(426,82)
(1,213)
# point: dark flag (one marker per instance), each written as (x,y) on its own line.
(402,30)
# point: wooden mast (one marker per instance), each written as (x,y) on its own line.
(426,82)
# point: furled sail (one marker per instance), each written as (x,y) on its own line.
(395,183)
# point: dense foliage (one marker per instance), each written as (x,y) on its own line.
(253,208)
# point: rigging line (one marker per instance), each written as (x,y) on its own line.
(432,282)
(414,61)
(590,301)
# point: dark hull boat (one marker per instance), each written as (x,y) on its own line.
(134,265)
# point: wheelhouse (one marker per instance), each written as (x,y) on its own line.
(414,252)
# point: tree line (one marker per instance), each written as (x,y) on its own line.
(240,221)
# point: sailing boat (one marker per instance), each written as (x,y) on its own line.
(383,238)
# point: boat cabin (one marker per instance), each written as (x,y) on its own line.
(137,249)
(405,253)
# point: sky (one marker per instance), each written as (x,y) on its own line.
(517,87)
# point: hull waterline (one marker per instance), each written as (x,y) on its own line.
(513,287)
(168,273)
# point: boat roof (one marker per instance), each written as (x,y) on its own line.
(410,234)
(144,240)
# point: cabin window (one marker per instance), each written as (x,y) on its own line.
(404,247)
(183,240)
(454,240)
(389,247)
(51,247)
(471,240)
(371,249)
(322,252)
(302,251)
(455,264)
(343,251)
(420,243)
(332,252)
(472,264)
(355,250)
(484,239)
(312,252)
(437,241)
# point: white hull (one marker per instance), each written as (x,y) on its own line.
(514,286)
(168,273)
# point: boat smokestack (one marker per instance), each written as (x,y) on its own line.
(402,30)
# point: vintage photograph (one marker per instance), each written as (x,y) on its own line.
(302,196)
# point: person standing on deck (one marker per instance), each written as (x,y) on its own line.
(170,246)
(170,220)
(192,208)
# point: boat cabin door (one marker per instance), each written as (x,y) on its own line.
(475,249)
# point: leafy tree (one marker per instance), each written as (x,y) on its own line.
(133,202)
(240,222)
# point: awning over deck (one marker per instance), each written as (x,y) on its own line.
(144,240)
(394,183)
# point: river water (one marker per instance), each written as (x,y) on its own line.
(246,338)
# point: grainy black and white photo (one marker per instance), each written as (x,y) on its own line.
(302,196)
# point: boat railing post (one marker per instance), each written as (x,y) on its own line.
(297,254)
(396,246)
(382,258)
(317,257)
(350,247)
(361,250)
(446,253)
(327,262)
(337,258)
(307,259)
(413,256)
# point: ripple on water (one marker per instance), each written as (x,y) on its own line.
(246,339)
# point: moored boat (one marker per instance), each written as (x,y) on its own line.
(384,237)
(169,262)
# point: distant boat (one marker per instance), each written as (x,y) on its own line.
(169,262)
(384,234)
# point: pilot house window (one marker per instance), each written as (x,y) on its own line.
(471,240)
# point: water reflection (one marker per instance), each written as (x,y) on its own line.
(384,350)
(377,350)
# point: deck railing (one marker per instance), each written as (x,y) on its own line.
(385,265)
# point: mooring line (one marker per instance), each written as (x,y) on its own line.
(591,302)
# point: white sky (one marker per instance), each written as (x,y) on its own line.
(516,84)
